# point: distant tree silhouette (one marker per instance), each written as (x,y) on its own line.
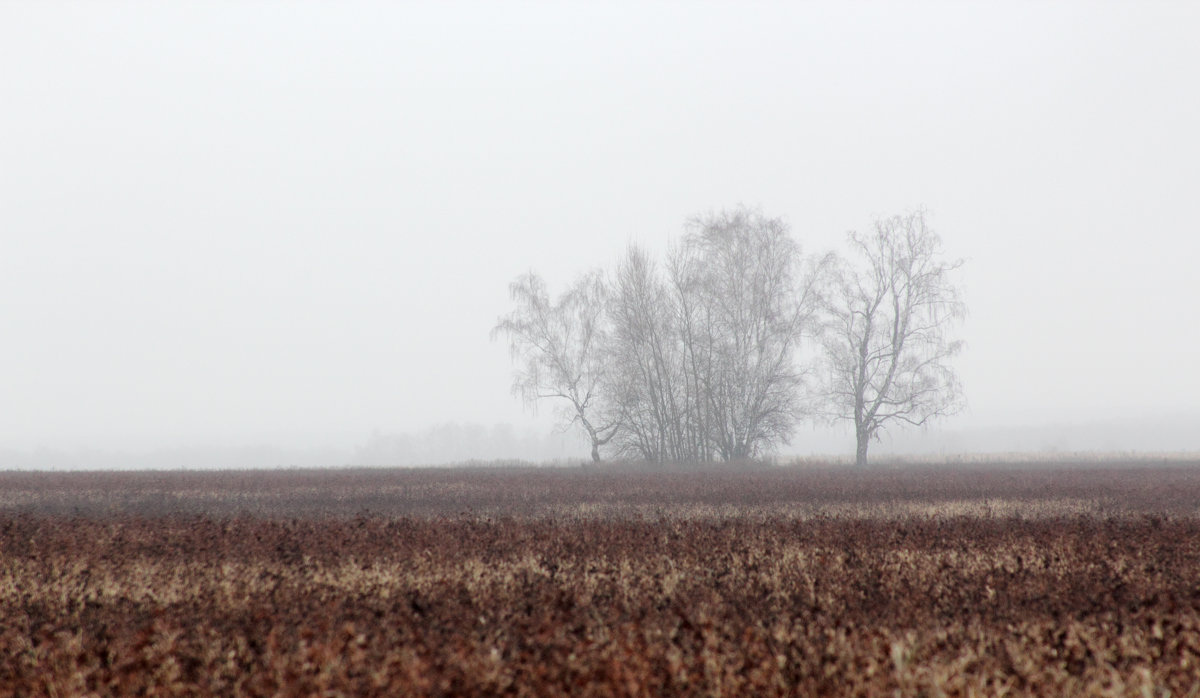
(888,312)
(559,346)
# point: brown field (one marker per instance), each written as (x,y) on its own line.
(760,581)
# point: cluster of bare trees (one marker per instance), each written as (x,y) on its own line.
(721,350)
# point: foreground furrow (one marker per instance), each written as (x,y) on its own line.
(454,606)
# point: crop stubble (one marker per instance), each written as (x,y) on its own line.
(597,583)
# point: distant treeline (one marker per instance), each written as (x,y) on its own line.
(443,444)
(455,443)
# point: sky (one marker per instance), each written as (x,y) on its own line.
(292,224)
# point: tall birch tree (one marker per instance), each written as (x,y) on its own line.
(559,346)
(889,314)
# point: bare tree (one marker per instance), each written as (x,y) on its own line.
(561,350)
(888,315)
(645,363)
(704,356)
(744,306)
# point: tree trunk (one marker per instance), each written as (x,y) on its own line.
(597,442)
(860,456)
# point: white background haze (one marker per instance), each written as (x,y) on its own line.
(273,230)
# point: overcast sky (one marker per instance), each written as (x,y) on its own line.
(293,223)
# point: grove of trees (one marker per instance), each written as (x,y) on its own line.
(721,349)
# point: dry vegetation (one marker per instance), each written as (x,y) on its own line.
(597,582)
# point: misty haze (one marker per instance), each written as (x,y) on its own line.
(614,349)
(222,239)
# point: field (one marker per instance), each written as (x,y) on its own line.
(1069,580)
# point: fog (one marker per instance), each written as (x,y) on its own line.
(279,233)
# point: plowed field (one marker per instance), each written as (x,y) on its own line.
(602,582)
